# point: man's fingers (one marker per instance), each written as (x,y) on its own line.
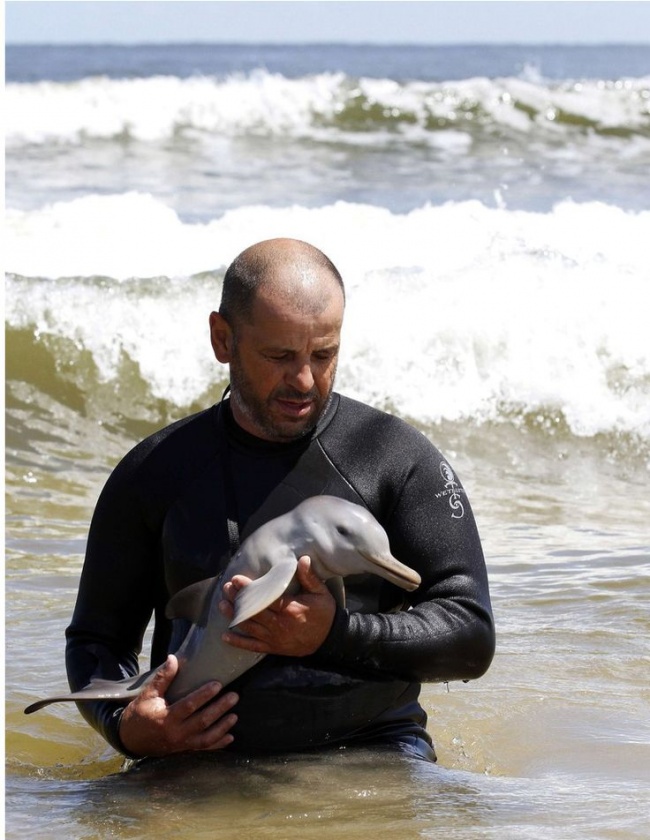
(236,583)
(208,726)
(187,706)
(307,578)
(214,712)
(230,591)
(216,723)
(161,680)
(217,736)
(243,642)
(226,609)
(202,720)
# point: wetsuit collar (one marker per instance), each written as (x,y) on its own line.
(238,436)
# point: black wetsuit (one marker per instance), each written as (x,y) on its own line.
(161,523)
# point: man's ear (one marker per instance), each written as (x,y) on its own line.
(220,337)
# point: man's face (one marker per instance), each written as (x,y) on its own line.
(282,366)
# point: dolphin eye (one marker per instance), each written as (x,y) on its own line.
(343,531)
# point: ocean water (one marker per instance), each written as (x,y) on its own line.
(488,209)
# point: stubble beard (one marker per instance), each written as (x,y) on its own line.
(258,412)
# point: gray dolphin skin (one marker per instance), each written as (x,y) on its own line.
(340,537)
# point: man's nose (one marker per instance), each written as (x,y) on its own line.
(302,377)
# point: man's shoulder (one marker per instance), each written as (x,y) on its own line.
(360,432)
(377,453)
(182,441)
(360,416)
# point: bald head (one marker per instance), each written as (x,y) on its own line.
(279,271)
(279,330)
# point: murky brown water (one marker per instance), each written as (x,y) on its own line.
(554,742)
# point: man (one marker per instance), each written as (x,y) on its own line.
(179,504)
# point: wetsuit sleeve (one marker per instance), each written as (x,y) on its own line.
(116,596)
(448,631)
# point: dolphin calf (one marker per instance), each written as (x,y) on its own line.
(340,537)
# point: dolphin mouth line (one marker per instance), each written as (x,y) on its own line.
(402,575)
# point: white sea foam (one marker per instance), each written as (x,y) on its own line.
(163,107)
(158,108)
(455,311)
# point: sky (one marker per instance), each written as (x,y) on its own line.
(335,21)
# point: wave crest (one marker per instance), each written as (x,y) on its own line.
(458,312)
(324,107)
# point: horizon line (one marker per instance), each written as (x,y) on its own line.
(240,43)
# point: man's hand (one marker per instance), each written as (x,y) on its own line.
(151,726)
(293,625)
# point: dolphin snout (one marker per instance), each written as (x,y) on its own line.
(392,570)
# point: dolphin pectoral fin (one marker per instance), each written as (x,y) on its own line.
(193,602)
(97,689)
(262,592)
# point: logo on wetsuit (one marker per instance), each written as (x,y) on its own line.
(452,489)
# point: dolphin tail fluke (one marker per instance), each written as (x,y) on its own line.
(42,703)
(96,690)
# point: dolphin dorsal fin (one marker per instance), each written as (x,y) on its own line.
(193,602)
(262,592)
